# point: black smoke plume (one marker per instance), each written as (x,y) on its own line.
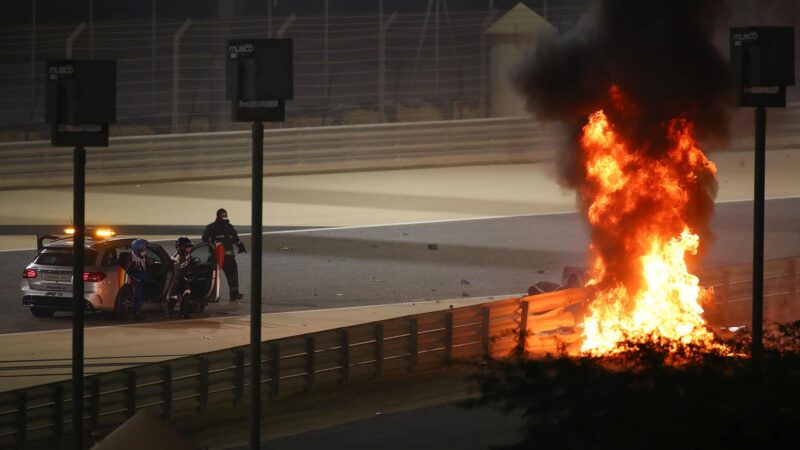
(660,54)
(661,57)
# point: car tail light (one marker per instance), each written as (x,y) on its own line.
(94,276)
(29,273)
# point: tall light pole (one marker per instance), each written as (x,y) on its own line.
(176,71)
(436,53)
(91,28)
(153,57)
(33,55)
(383,26)
(71,38)
(325,57)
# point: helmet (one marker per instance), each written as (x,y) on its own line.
(139,246)
(220,213)
(183,244)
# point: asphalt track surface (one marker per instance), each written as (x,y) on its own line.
(361,266)
(434,428)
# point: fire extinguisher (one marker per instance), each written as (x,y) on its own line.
(219,252)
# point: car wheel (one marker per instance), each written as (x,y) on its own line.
(123,305)
(42,312)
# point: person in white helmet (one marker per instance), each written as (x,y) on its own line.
(138,275)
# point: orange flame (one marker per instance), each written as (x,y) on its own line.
(638,204)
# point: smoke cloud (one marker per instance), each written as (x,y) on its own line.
(661,59)
(660,55)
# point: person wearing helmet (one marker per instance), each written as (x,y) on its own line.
(182,288)
(220,231)
(138,275)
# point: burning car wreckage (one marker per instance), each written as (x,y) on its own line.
(636,101)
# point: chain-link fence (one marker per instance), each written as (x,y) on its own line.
(349,69)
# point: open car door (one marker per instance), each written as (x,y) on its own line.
(44,239)
(160,266)
(205,280)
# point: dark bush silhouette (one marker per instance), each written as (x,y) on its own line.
(654,395)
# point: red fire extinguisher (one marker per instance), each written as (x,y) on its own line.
(219,250)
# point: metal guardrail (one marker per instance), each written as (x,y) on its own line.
(40,416)
(733,289)
(322,149)
(286,151)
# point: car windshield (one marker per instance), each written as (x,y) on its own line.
(63,257)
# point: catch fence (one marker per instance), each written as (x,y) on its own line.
(348,68)
(421,64)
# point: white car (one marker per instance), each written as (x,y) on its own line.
(47,281)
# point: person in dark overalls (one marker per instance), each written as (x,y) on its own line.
(220,231)
(138,275)
(182,288)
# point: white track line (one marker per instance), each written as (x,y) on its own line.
(400,224)
(355,227)
(466,219)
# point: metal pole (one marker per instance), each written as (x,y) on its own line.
(325,63)
(381,63)
(74,35)
(33,54)
(487,22)
(255,286)
(422,38)
(384,26)
(153,57)
(484,78)
(176,69)
(758,233)
(285,25)
(436,53)
(91,28)
(78,210)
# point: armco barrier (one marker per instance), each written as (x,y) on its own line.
(286,151)
(733,289)
(38,417)
(324,149)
